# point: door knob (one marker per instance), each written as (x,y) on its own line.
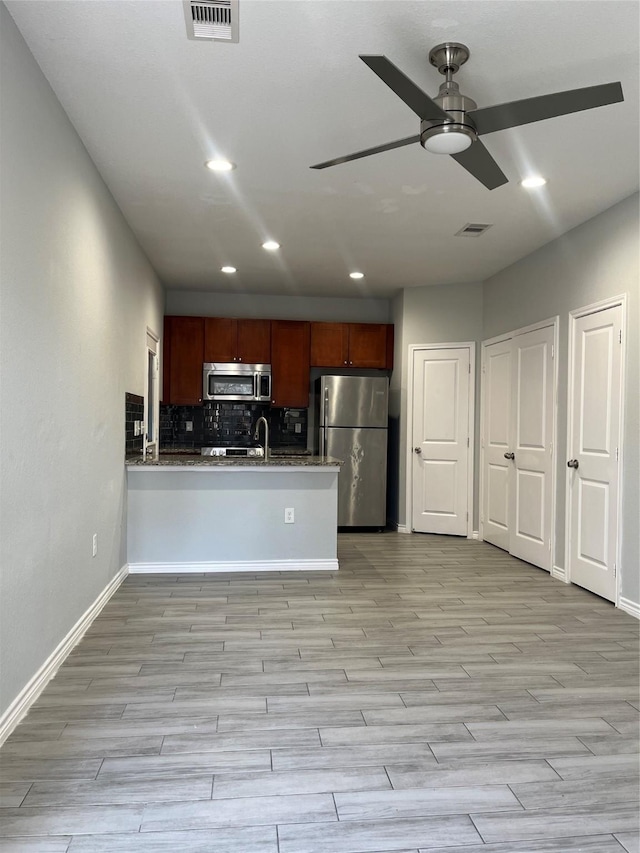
(572,463)
(417,450)
(509,455)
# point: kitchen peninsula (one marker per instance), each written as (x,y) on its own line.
(204,514)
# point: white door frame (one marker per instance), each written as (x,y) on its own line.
(152,346)
(574,315)
(551,321)
(471,346)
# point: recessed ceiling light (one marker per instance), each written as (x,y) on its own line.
(228,269)
(220,165)
(356,275)
(533,182)
(271,245)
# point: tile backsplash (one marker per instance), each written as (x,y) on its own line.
(192,427)
(134,411)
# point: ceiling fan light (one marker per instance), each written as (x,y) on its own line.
(452,142)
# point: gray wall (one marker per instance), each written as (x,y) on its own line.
(430,315)
(597,260)
(77,295)
(347,310)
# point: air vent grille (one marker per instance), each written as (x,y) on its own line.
(213,21)
(472,229)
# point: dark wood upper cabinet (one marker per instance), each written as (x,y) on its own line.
(329,345)
(228,340)
(290,340)
(368,345)
(183,357)
(254,341)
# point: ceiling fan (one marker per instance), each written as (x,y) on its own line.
(451,123)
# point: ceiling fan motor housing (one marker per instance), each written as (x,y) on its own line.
(456,105)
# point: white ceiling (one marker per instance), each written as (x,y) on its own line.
(152,106)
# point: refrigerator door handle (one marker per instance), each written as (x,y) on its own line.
(322,453)
(325,414)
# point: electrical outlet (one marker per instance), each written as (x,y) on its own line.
(95,544)
(289,515)
(189,426)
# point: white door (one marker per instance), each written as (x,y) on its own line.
(496,431)
(518,393)
(594,411)
(532,401)
(440,446)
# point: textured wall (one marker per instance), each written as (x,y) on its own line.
(331,309)
(77,295)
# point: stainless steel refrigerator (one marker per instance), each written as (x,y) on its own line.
(351,415)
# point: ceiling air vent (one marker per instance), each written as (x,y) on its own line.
(214,21)
(472,229)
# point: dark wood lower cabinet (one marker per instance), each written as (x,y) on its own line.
(290,363)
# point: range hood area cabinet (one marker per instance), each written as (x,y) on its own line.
(366,345)
(292,347)
(227,340)
(290,363)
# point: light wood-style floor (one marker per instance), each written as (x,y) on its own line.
(433,695)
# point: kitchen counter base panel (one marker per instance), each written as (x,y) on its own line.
(197,520)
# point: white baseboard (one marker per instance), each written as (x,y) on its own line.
(235,566)
(631,607)
(28,695)
(559,573)
(475,534)
(401,528)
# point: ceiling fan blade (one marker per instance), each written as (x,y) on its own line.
(367,152)
(516,113)
(477,160)
(412,95)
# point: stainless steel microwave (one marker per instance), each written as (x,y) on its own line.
(236,382)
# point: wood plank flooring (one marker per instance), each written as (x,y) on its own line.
(435,695)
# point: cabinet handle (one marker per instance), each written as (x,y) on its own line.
(346,362)
(239,358)
(509,455)
(572,463)
(350,362)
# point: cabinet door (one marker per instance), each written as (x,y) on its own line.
(290,363)
(329,344)
(183,368)
(254,341)
(220,336)
(367,345)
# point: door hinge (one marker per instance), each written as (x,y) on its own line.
(617,454)
(620,336)
(615,570)
(467,441)
(553,351)
(484,369)
(467,516)
(469,367)
(550,448)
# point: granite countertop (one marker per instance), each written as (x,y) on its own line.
(187,460)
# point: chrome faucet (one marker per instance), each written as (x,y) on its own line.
(256,434)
